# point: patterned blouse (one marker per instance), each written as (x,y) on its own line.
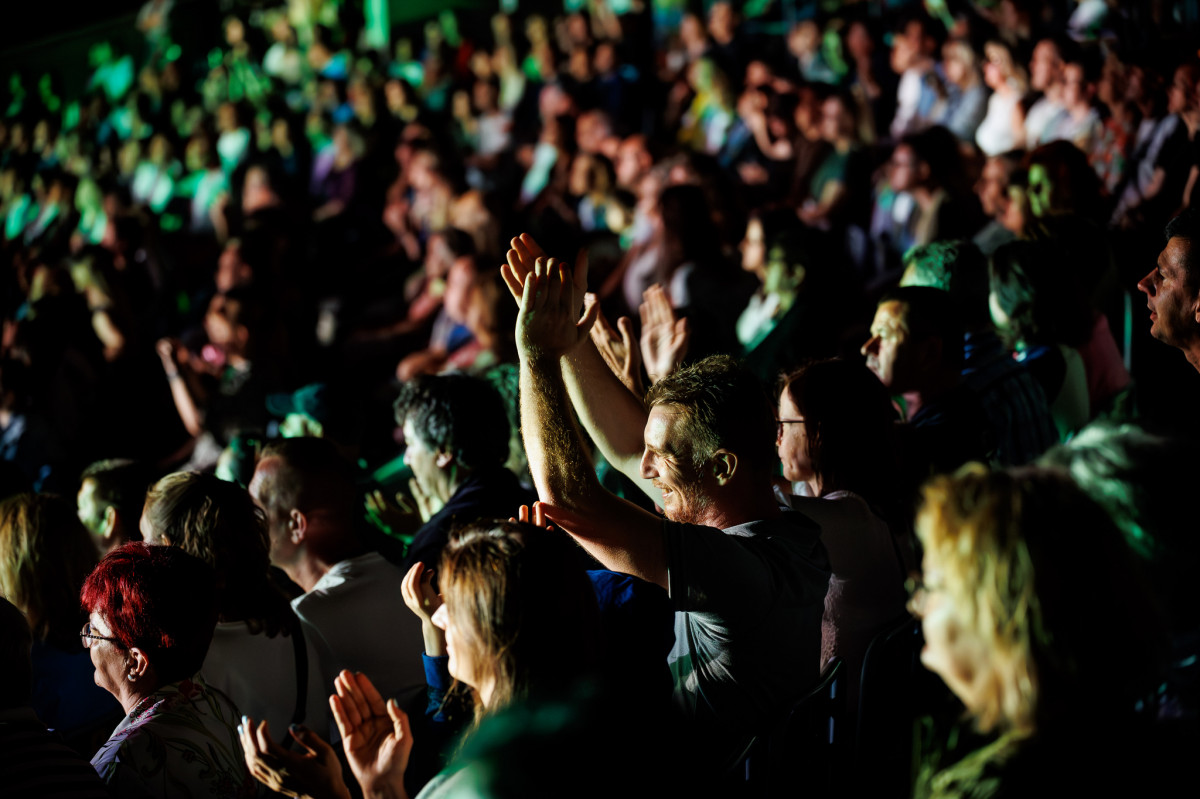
(181,741)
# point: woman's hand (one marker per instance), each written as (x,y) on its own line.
(313,772)
(393,518)
(423,600)
(376,736)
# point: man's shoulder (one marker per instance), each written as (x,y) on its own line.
(361,577)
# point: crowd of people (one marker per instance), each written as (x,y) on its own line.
(311,317)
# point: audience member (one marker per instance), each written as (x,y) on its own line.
(152,611)
(1172,288)
(111,495)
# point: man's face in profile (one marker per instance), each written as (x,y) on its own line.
(889,349)
(667,462)
(1173,296)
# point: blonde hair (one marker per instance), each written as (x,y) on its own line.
(1044,578)
(999,53)
(45,555)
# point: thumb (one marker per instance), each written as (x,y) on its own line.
(399,718)
(625,325)
(589,318)
(306,738)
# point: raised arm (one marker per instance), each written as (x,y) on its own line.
(621,536)
(613,417)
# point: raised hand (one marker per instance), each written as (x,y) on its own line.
(393,518)
(522,261)
(536,517)
(423,600)
(664,337)
(619,350)
(549,324)
(376,736)
(314,771)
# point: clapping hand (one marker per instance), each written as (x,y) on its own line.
(314,771)
(376,736)
(619,350)
(549,324)
(664,337)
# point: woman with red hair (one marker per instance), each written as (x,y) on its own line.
(152,611)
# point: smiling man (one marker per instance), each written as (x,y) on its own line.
(746,579)
(1172,288)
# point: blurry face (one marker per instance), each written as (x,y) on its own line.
(1016,212)
(457,299)
(1180,93)
(282,549)
(858,41)
(992,187)
(953,649)
(1045,68)
(667,462)
(462,664)
(753,247)
(90,513)
(1174,303)
(889,351)
(956,69)
(1040,191)
(832,114)
(904,168)
(1074,87)
(792,441)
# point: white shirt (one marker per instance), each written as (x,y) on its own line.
(360,622)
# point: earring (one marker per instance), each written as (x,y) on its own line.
(132,677)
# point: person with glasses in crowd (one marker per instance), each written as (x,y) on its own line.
(152,611)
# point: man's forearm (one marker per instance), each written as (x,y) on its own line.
(612,416)
(561,470)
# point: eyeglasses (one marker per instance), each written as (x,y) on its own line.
(918,593)
(87,637)
(779,423)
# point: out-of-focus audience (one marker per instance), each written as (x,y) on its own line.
(304,301)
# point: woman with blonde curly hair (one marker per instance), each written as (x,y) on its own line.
(1035,617)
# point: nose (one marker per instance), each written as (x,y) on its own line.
(646,466)
(1144,285)
(871,346)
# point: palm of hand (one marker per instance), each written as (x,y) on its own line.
(375,752)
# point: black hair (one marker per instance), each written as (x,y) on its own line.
(459,414)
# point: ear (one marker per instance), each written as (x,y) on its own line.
(139,665)
(724,465)
(297,526)
(109,525)
(444,459)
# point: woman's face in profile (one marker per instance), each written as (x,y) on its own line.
(954,649)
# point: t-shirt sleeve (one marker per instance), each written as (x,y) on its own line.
(711,571)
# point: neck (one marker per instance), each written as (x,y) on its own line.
(308,571)
(1054,93)
(740,506)
(1192,354)
(914,401)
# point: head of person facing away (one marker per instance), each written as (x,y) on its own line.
(709,444)
(306,489)
(454,425)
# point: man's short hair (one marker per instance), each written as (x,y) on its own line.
(1186,226)
(929,313)
(725,406)
(120,484)
(312,474)
(956,267)
(459,414)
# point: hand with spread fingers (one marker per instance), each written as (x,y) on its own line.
(620,351)
(549,325)
(664,337)
(375,735)
(536,516)
(312,772)
(522,261)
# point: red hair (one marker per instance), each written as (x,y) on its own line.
(158,599)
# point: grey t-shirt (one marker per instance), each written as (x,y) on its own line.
(748,603)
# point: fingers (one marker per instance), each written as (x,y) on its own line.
(400,723)
(539,514)
(341,717)
(589,319)
(530,248)
(408,586)
(625,324)
(312,743)
(249,741)
(262,735)
(371,694)
(523,513)
(353,704)
(556,275)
